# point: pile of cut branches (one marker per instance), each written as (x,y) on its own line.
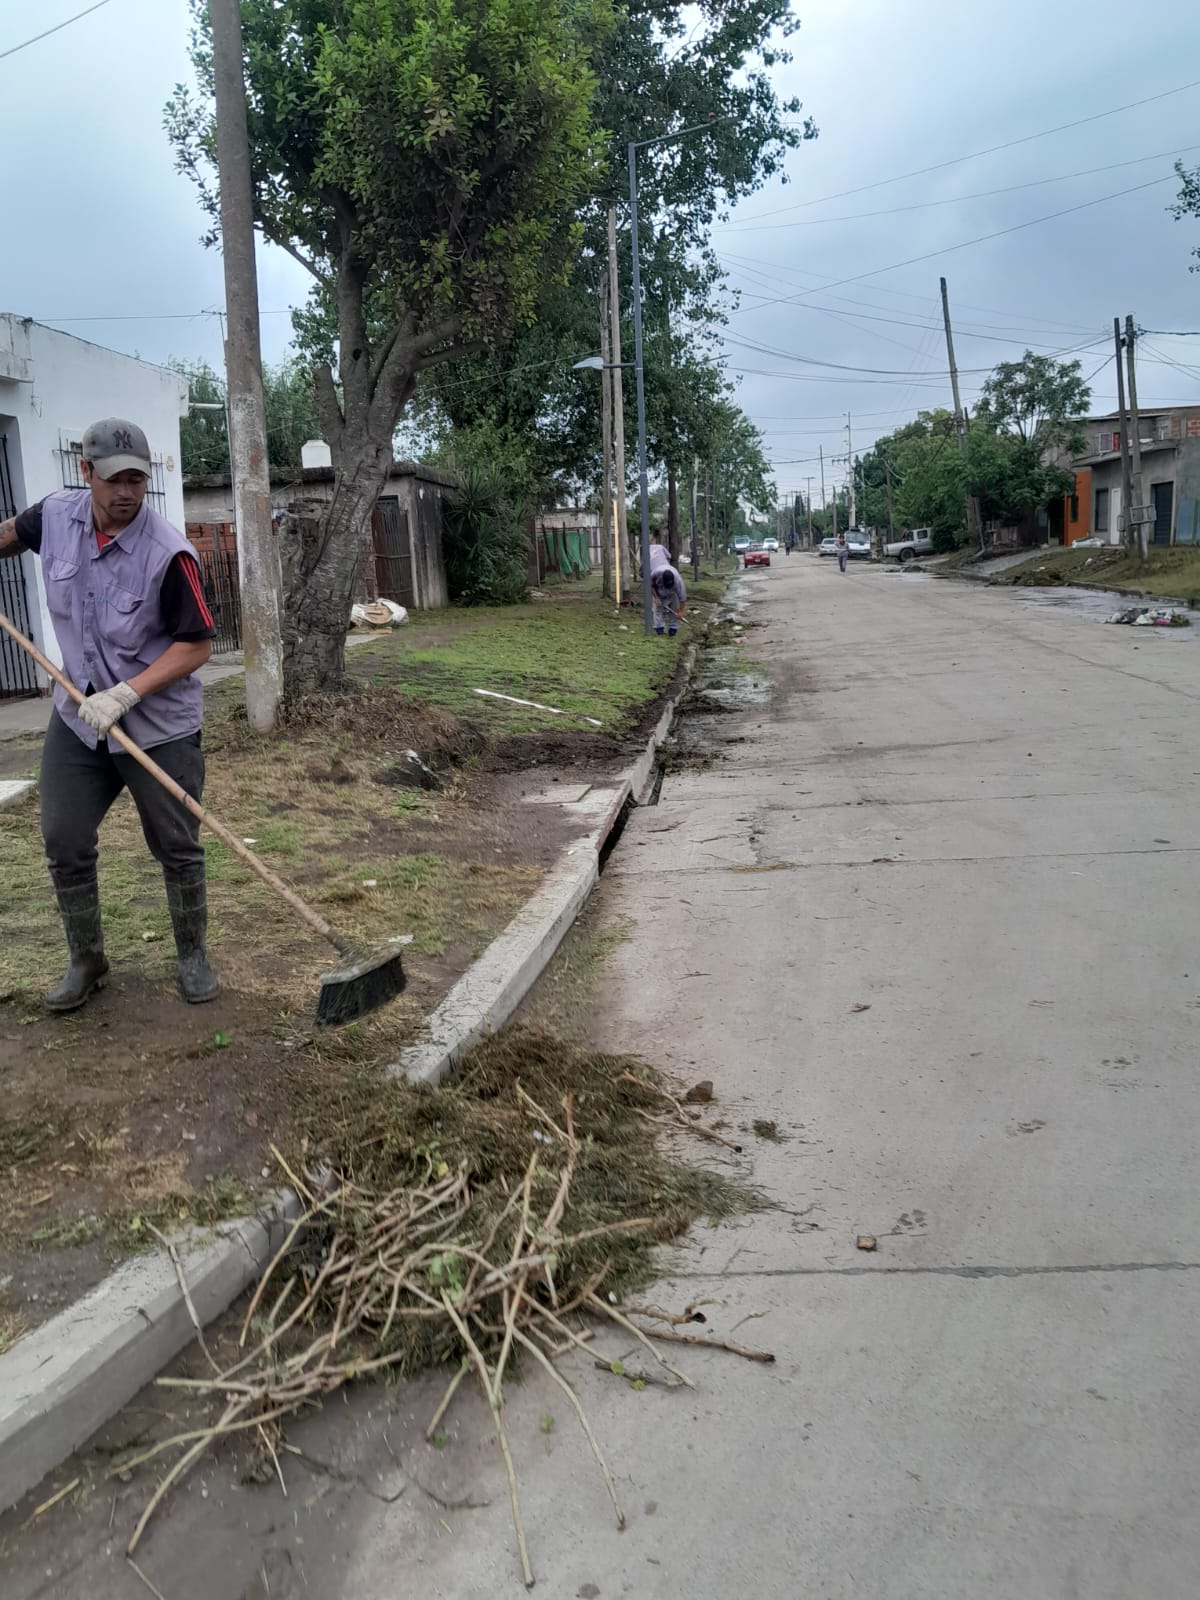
(472,1225)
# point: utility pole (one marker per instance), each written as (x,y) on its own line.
(850,459)
(821,459)
(606,435)
(974,523)
(808,503)
(1131,539)
(618,403)
(258,552)
(708,544)
(692,519)
(1135,432)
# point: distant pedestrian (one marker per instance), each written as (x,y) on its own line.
(843,550)
(667,591)
(790,543)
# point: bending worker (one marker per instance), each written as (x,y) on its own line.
(666,589)
(123,588)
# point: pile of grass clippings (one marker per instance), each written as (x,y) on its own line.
(477,1225)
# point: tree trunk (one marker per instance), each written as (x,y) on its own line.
(321,560)
(672,516)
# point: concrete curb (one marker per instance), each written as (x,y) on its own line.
(69,1377)
(66,1379)
(14,790)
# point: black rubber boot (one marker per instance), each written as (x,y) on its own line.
(187,901)
(79,904)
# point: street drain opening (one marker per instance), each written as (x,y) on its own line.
(614,833)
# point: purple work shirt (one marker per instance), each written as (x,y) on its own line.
(107,617)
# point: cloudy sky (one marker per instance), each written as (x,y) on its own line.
(104,233)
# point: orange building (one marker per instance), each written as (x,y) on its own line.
(1077,508)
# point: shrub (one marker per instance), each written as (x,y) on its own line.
(485,542)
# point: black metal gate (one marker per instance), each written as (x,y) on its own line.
(393,553)
(219,575)
(18,675)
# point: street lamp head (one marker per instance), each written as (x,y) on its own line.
(590,364)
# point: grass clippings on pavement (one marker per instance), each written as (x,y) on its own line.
(475,1226)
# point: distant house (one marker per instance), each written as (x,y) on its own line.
(1170,447)
(52,386)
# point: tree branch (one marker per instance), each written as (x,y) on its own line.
(323,278)
(451,353)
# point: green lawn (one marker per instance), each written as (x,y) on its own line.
(1173,574)
(574,652)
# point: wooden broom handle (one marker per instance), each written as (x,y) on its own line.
(316,922)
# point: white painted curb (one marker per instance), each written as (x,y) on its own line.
(14,790)
(66,1379)
(70,1376)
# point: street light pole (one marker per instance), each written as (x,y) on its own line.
(640,376)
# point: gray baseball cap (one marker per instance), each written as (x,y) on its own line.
(115,445)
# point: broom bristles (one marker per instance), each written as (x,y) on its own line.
(360,983)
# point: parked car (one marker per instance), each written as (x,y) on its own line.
(772,545)
(917,543)
(757,556)
(859,545)
(741,544)
(827,546)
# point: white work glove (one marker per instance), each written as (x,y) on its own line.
(101,710)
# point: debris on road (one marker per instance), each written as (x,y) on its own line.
(857,1007)
(699,1094)
(461,1226)
(866,1241)
(1150,617)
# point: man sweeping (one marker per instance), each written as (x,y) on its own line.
(666,590)
(123,589)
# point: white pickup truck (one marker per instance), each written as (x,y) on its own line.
(917,543)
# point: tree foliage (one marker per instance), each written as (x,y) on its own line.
(291,417)
(1027,421)
(1188,201)
(423,159)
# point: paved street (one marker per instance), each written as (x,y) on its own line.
(934,914)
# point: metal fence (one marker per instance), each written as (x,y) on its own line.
(219,576)
(18,675)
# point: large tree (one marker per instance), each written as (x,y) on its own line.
(423,160)
(667,66)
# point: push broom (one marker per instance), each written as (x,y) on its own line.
(362,981)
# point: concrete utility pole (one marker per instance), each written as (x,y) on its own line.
(821,459)
(1131,539)
(1135,433)
(974,523)
(808,504)
(258,552)
(692,518)
(850,460)
(618,400)
(606,434)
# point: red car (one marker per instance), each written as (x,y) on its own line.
(756,556)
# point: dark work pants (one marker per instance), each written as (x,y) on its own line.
(78,786)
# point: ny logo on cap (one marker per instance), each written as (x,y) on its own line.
(122,438)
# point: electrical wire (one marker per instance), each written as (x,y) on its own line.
(955,199)
(964,244)
(976,155)
(57,28)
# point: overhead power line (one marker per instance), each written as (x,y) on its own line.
(953,199)
(57,28)
(976,155)
(949,249)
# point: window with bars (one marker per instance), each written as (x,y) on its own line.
(70,456)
